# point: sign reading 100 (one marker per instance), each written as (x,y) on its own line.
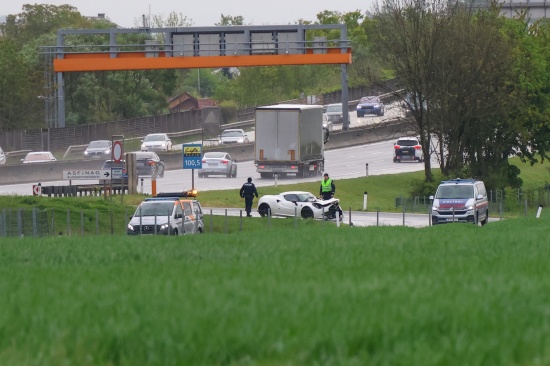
(192,156)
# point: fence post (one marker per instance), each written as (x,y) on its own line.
(403,214)
(525,207)
(377,216)
(96,221)
(365,201)
(296,217)
(82,221)
(350,223)
(34,223)
(225,221)
(2,224)
(211,221)
(112,223)
(19,223)
(53,221)
(539,211)
(69,221)
(240,220)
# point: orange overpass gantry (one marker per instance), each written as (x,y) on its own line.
(194,47)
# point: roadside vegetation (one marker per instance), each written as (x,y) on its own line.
(449,295)
(97,215)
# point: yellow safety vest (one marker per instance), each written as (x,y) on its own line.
(326,186)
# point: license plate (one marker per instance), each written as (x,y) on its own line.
(212,164)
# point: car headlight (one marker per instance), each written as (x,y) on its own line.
(469,208)
(163,144)
(86,152)
(163,227)
(358,107)
(240,141)
(107,152)
(130,227)
(143,147)
(435,208)
(376,106)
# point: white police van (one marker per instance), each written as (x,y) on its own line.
(460,200)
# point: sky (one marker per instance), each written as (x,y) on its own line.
(126,13)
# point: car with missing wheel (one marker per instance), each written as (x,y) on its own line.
(370,105)
(156,142)
(407,149)
(300,203)
(218,163)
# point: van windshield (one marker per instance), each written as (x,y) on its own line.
(455,191)
(155,209)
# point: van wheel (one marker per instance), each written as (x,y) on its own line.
(175,233)
(486,219)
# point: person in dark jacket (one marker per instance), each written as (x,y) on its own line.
(248,191)
(327,189)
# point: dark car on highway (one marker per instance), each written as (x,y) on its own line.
(146,161)
(370,105)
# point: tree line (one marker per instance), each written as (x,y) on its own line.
(475,82)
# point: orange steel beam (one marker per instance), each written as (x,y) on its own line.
(139,61)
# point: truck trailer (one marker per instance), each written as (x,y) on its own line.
(290,140)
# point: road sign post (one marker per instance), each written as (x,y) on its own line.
(192,159)
(117,152)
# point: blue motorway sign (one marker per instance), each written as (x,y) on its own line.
(192,156)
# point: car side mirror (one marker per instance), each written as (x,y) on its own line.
(295,203)
(431,198)
(235,160)
(178,216)
(479,196)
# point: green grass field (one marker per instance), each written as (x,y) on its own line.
(449,295)
(278,292)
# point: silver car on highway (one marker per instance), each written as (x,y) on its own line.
(218,163)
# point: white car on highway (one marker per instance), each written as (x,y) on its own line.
(156,142)
(303,204)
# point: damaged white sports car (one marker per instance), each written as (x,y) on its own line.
(303,204)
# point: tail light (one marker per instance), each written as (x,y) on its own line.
(418,147)
(224,162)
(204,161)
(396,147)
(151,162)
(261,166)
(293,167)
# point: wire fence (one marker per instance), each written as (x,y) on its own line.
(520,201)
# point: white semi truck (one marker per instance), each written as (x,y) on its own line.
(290,139)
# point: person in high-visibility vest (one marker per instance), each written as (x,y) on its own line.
(327,189)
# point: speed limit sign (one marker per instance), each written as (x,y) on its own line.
(117,151)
